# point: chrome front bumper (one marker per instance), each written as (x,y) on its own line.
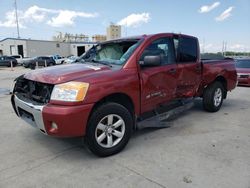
(30,113)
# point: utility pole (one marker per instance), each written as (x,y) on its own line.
(17,24)
(203,47)
(223,47)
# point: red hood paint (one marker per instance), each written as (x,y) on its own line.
(64,73)
(243,70)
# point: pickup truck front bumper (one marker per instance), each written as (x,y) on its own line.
(54,120)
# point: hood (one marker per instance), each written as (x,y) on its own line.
(64,73)
(243,70)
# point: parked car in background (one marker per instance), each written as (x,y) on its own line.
(243,71)
(6,61)
(41,60)
(70,59)
(19,58)
(58,59)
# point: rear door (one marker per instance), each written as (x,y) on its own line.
(42,61)
(188,66)
(158,83)
(7,60)
(2,62)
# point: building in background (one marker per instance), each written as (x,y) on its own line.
(99,38)
(63,44)
(68,37)
(113,31)
(32,48)
(79,48)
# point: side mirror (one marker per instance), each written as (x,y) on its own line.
(150,61)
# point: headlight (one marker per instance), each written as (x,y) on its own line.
(70,91)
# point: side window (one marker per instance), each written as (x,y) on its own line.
(187,49)
(162,47)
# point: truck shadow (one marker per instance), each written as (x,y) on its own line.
(78,150)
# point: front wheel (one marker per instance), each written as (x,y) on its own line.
(109,129)
(213,97)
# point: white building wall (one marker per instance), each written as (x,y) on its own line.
(39,48)
(9,47)
(73,47)
(32,48)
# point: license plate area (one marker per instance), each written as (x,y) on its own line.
(28,117)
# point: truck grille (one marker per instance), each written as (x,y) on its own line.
(32,91)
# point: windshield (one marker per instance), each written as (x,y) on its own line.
(113,52)
(243,63)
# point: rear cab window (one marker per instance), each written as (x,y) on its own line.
(186,49)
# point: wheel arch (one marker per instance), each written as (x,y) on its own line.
(223,81)
(120,98)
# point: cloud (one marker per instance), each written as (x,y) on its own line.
(224,15)
(67,18)
(217,47)
(135,20)
(206,47)
(238,47)
(10,20)
(208,8)
(36,14)
(52,17)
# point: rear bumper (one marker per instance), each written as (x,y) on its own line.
(244,81)
(70,121)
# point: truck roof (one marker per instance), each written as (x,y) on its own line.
(138,37)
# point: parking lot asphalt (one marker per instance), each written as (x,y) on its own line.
(200,149)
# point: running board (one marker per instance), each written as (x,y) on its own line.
(160,119)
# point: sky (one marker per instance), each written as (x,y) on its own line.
(211,21)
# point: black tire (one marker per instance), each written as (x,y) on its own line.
(32,66)
(209,97)
(97,116)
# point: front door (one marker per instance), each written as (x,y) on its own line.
(158,83)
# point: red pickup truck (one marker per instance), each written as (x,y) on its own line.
(120,83)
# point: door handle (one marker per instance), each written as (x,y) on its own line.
(172,71)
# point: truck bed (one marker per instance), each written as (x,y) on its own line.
(224,68)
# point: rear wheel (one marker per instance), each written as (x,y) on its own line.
(213,97)
(32,66)
(109,129)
